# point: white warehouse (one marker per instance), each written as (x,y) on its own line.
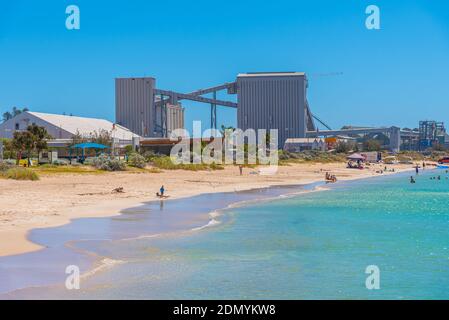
(65,127)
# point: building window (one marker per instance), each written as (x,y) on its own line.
(17,126)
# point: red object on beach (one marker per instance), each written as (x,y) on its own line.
(444,160)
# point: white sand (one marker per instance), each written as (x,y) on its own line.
(56,199)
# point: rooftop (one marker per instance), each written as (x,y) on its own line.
(303,140)
(270,74)
(85,126)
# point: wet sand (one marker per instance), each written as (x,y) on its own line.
(72,244)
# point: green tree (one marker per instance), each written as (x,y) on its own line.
(77,138)
(129,149)
(344,147)
(8,152)
(39,136)
(103,137)
(7,116)
(371,145)
(22,142)
(14,112)
(224,129)
(33,139)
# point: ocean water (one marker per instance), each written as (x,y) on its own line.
(315,245)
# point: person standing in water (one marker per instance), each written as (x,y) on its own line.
(417,169)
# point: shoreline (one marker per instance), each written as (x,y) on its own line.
(100,263)
(17,237)
(96,262)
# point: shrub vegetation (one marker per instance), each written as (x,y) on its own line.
(137,161)
(19,173)
(105,162)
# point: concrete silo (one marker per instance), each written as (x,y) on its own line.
(134,104)
(275,100)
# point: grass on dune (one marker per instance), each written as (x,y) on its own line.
(20,174)
(166,163)
(54,169)
(48,169)
(286,157)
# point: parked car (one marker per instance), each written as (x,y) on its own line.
(444,160)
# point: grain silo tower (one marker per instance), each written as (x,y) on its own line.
(134,104)
(274,100)
(139,108)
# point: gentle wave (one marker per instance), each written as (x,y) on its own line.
(211,223)
(104,264)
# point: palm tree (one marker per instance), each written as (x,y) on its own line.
(7,116)
(224,129)
(14,112)
(33,139)
(39,136)
(21,142)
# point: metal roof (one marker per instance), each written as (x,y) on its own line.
(270,74)
(85,126)
(89,145)
(303,140)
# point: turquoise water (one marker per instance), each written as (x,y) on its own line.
(311,246)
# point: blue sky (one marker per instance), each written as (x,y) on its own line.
(394,76)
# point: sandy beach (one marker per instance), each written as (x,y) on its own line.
(57,198)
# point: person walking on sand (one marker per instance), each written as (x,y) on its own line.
(241,169)
(162,190)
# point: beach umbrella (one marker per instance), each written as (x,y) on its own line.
(355,157)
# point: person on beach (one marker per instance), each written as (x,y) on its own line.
(160,194)
(412,180)
(417,169)
(241,169)
(330,178)
(162,190)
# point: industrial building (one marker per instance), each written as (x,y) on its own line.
(432,134)
(429,134)
(304,144)
(274,101)
(265,100)
(139,108)
(62,128)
